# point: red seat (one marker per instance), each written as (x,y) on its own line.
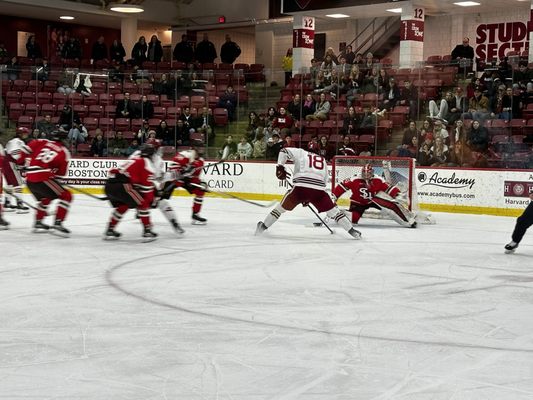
(150,65)
(198,101)
(114,87)
(106,124)
(130,87)
(220,116)
(15,111)
(173,112)
(82,110)
(59,99)
(164,66)
(83,149)
(44,98)
(197,139)
(12,96)
(105,99)
(90,123)
(25,121)
(370,100)
(145,88)
(312,127)
(96,111)
(48,109)
(164,101)
(384,130)
(183,101)
(35,85)
(28,97)
(153,98)
(99,87)
(136,124)
(74,98)
(122,124)
(160,112)
(517,125)
(19,85)
(154,122)
(110,110)
(399,115)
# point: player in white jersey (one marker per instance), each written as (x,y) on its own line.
(310,179)
(161,178)
(16,152)
(3,223)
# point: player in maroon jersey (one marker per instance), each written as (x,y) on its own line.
(188,167)
(370,191)
(3,223)
(132,186)
(47,161)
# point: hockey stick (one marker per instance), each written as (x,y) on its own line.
(232,196)
(82,191)
(19,199)
(316,214)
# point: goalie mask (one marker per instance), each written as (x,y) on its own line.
(367,172)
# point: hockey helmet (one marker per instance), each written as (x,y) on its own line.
(154,142)
(22,130)
(367,172)
(147,150)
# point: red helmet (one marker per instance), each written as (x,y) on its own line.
(154,142)
(367,172)
(21,130)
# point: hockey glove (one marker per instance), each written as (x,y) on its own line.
(281,172)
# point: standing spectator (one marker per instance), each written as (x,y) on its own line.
(228,100)
(205,123)
(244,149)
(33,48)
(117,52)
(99,50)
(118,145)
(155,50)
(229,51)
(72,50)
(463,54)
(144,109)
(45,126)
(125,108)
(286,64)
(205,51)
(99,145)
(138,53)
(183,51)
(229,150)
(478,138)
(349,55)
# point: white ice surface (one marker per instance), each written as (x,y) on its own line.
(438,312)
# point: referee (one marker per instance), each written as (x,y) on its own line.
(522,223)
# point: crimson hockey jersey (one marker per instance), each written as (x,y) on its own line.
(47,160)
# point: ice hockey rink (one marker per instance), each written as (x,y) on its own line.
(438,312)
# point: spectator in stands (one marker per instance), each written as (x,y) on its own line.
(228,100)
(325,149)
(33,48)
(333,85)
(322,109)
(331,54)
(424,153)
(77,134)
(43,71)
(460,156)
(502,104)
(65,84)
(99,51)
(523,76)
(35,134)
(72,49)
(229,51)
(117,52)
(255,125)
(116,73)
(391,95)
(409,134)
(67,118)
(438,153)
(182,134)
(125,107)
(458,133)
(274,145)
(13,69)
(3,52)
(343,69)
(132,148)
(371,81)
(205,51)
(308,107)
(457,106)
(409,98)
(118,145)
(410,150)
(268,122)
(183,51)
(138,53)
(368,63)
(142,133)
(229,149)
(187,118)
(163,86)
(45,126)
(144,109)
(478,138)
(259,145)
(327,66)
(165,133)
(244,149)
(99,145)
(369,118)
(478,106)
(286,65)
(283,123)
(348,55)
(205,123)
(350,123)
(439,130)
(383,81)
(353,87)
(441,111)
(313,70)
(155,50)
(427,127)
(359,60)
(294,108)
(346,147)
(83,85)
(464,55)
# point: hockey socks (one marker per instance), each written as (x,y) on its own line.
(274,215)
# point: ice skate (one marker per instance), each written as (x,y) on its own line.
(3,224)
(197,220)
(261,227)
(510,247)
(177,227)
(148,235)
(355,233)
(111,234)
(40,227)
(21,208)
(59,230)
(8,207)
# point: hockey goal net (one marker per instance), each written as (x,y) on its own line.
(394,170)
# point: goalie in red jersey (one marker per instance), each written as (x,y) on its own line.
(370,191)
(188,167)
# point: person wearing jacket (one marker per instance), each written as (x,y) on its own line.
(138,53)
(155,51)
(229,51)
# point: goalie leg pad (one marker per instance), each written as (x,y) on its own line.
(395,210)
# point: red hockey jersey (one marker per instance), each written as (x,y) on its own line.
(363,191)
(47,160)
(184,163)
(140,171)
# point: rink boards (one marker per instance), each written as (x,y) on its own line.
(474,191)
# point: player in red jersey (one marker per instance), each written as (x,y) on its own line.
(310,178)
(132,186)
(3,223)
(48,160)
(188,167)
(370,191)
(16,152)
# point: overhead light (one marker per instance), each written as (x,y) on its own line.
(337,16)
(395,10)
(126,8)
(67,17)
(467,3)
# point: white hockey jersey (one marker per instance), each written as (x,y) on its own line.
(17,149)
(310,170)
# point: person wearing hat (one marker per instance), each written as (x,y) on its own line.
(478,106)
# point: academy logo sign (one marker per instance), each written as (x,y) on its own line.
(445,180)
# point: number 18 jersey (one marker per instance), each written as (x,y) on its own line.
(310,170)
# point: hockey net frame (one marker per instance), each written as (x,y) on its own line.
(399,171)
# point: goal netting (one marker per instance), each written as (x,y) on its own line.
(397,171)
